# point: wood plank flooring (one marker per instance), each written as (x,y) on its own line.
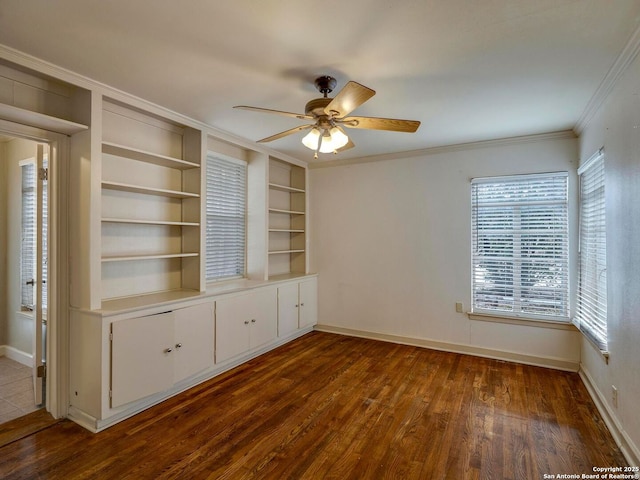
(25,425)
(335,407)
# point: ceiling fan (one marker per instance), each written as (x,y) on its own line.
(329,115)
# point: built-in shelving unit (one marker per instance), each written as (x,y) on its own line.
(287,219)
(151,184)
(134,183)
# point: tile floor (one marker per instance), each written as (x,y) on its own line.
(16,390)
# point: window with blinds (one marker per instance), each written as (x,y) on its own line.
(28,238)
(520,243)
(591,312)
(226,218)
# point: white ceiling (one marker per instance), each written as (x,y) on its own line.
(469,70)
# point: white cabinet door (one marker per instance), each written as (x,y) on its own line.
(287,309)
(193,340)
(141,361)
(264,320)
(245,322)
(233,317)
(308,296)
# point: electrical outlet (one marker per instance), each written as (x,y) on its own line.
(614,396)
(459,307)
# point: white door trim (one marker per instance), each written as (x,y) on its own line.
(57,394)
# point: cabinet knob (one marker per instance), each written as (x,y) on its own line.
(178,345)
(246,322)
(168,350)
(296,305)
(253,320)
(302,304)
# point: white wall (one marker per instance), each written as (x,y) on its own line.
(18,327)
(391,241)
(616,126)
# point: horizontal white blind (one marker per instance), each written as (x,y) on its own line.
(226,218)
(45,239)
(521,245)
(591,314)
(28,240)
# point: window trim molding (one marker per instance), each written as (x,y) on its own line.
(245,164)
(597,155)
(525,321)
(29,309)
(549,321)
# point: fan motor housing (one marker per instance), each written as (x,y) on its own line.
(316,106)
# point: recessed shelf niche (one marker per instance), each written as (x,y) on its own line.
(150,203)
(287,219)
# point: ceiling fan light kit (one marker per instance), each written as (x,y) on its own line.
(330,115)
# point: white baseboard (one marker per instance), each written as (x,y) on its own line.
(16,355)
(627,447)
(538,361)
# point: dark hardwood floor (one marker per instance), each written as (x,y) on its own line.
(335,407)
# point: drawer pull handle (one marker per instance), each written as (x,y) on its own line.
(246,322)
(253,320)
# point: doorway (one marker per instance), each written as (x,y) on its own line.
(24,246)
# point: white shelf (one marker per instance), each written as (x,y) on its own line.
(128,258)
(149,157)
(40,120)
(280,252)
(125,187)
(149,222)
(286,230)
(285,188)
(140,301)
(288,212)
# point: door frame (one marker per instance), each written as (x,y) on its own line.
(57,343)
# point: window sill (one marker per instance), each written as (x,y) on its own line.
(530,322)
(603,353)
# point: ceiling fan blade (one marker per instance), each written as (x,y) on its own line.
(285,133)
(349,145)
(299,116)
(373,123)
(348,99)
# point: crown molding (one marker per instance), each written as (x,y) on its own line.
(56,72)
(618,68)
(460,147)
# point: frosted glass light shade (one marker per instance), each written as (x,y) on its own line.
(338,138)
(332,140)
(310,140)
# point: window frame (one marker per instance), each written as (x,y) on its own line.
(24,287)
(515,312)
(212,157)
(595,169)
